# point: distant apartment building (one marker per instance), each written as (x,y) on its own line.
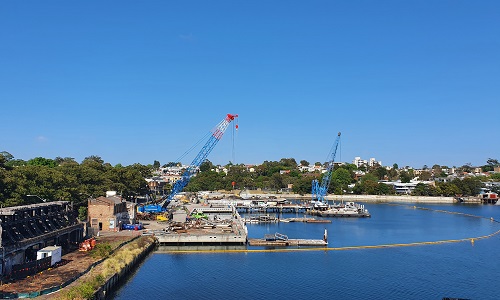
(366,163)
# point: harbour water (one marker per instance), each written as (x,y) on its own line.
(463,269)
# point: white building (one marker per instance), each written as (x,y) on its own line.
(363,162)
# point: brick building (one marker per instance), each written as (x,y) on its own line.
(110,212)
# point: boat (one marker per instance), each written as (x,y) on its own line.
(305,220)
(349,209)
(261,219)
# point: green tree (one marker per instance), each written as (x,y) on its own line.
(448,189)
(40,161)
(467,168)
(404,177)
(93,159)
(276,181)
(380,172)
(304,163)
(15,163)
(384,189)
(493,162)
(66,160)
(368,184)
(469,186)
(288,163)
(340,180)
(82,213)
(7,156)
(425,176)
(303,185)
(422,189)
(206,166)
(392,174)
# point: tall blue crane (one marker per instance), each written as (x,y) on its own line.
(217,133)
(319,191)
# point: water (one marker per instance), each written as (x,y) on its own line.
(461,270)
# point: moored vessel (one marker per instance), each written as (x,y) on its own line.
(348,209)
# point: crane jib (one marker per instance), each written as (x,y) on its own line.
(218,132)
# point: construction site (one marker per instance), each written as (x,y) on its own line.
(27,229)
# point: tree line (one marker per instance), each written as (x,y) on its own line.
(38,179)
(66,179)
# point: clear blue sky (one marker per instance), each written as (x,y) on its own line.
(407,82)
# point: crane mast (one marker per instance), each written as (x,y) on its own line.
(319,191)
(217,134)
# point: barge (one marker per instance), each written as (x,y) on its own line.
(202,225)
(281,240)
(305,220)
(349,209)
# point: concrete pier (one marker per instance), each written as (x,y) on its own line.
(192,237)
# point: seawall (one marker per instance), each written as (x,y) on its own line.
(375,198)
(116,279)
(391,198)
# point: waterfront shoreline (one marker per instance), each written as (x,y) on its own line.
(362,198)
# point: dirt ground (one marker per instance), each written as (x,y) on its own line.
(71,265)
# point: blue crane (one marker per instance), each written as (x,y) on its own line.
(319,191)
(179,185)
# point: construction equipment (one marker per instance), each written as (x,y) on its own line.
(179,185)
(319,191)
(87,245)
(162,217)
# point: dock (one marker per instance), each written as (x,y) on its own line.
(342,210)
(281,240)
(204,226)
(192,237)
(305,220)
(261,219)
(287,243)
